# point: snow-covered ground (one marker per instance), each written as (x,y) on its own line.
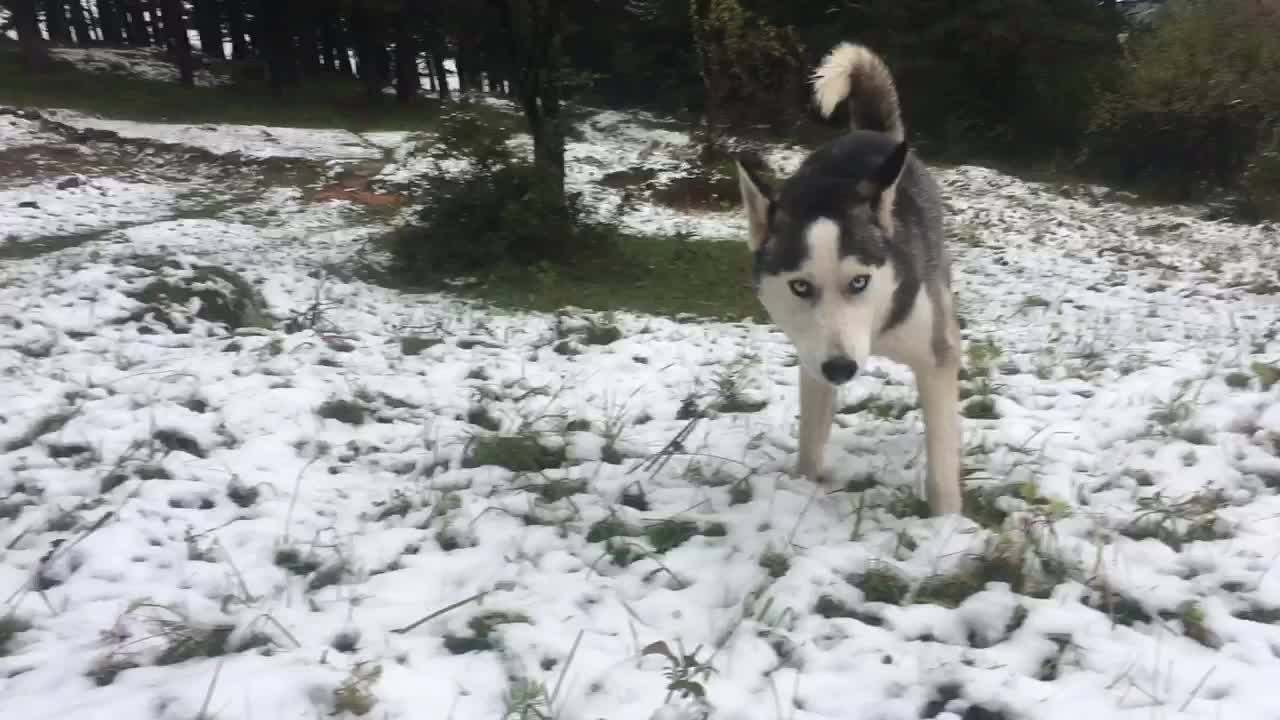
(204,523)
(145,63)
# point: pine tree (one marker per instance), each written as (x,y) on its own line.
(237,28)
(179,44)
(208,18)
(406,57)
(531,32)
(79,22)
(55,21)
(109,22)
(26,19)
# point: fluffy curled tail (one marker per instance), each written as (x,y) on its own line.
(855,74)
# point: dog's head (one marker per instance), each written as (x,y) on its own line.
(821,250)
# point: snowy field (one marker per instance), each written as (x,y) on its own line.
(360,502)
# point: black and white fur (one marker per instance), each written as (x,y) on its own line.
(849,262)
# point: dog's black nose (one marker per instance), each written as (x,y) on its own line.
(839,370)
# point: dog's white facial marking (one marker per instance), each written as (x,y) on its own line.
(831,306)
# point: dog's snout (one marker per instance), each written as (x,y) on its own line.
(839,370)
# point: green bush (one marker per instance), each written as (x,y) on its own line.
(1194,100)
(500,212)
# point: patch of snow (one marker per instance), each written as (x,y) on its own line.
(140,63)
(45,209)
(254,141)
(18,132)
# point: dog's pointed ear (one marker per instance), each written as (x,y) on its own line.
(757,197)
(886,176)
(880,187)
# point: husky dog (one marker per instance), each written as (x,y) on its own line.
(848,260)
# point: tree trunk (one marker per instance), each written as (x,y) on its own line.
(237,28)
(328,39)
(407,81)
(441,72)
(308,47)
(431,73)
(27,20)
(209,26)
(256,10)
(533,31)
(55,22)
(179,43)
(157,22)
(276,46)
(328,53)
(79,22)
(462,66)
(344,39)
(109,22)
(365,33)
(435,35)
(382,54)
(136,23)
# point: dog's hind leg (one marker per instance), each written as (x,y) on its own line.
(817,411)
(939,386)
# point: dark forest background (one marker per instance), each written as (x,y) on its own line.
(1183,96)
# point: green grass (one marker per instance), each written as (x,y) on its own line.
(661,276)
(322,101)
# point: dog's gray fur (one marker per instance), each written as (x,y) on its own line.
(849,261)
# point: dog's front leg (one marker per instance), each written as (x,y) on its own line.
(939,387)
(817,410)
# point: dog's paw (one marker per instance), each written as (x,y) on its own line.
(810,473)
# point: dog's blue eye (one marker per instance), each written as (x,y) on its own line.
(801,288)
(859,283)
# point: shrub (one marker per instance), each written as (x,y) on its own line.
(499,212)
(1194,100)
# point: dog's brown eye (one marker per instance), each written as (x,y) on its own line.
(859,283)
(801,288)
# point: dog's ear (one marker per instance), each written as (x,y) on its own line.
(757,196)
(886,176)
(882,183)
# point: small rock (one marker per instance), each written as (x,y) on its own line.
(29,204)
(71,182)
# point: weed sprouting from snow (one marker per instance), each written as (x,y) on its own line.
(604,332)
(11,626)
(153,633)
(775,563)
(296,561)
(344,411)
(669,534)
(354,695)
(981,356)
(480,416)
(482,636)
(413,345)
(882,583)
(526,700)
(729,397)
(1268,374)
(1178,521)
(685,672)
(1237,380)
(1191,614)
(521,452)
